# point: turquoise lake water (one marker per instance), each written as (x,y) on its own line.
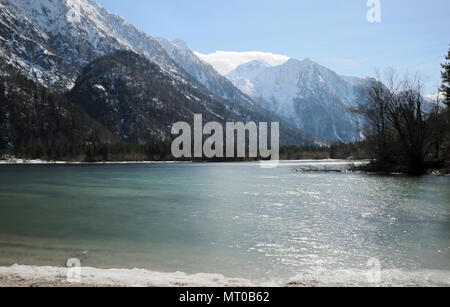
(235,219)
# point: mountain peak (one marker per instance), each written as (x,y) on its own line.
(248,71)
(306,62)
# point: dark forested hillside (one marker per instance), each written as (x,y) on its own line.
(137,101)
(32,115)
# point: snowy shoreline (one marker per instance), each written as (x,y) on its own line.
(42,162)
(48,276)
(15,161)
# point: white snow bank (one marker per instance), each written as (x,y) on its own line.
(50,276)
(124,277)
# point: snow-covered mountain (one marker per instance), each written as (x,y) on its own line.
(312,97)
(243,74)
(50,41)
(54,42)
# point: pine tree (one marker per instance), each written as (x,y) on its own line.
(446,80)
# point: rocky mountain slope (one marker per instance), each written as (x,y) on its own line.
(50,41)
(310,96)
(204,73)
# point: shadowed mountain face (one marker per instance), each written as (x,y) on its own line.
(31,115)
(137,101)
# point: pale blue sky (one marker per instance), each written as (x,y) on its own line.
(413,35)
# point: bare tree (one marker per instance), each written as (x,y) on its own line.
(401,126)
(374,111)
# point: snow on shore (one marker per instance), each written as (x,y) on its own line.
(13,161)
(26,276)
(22,161)
(54,276)
(324,162)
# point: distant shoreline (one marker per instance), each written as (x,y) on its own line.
(14,161)
(41,162)
(351,164)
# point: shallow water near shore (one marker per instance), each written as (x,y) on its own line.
(235,219)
